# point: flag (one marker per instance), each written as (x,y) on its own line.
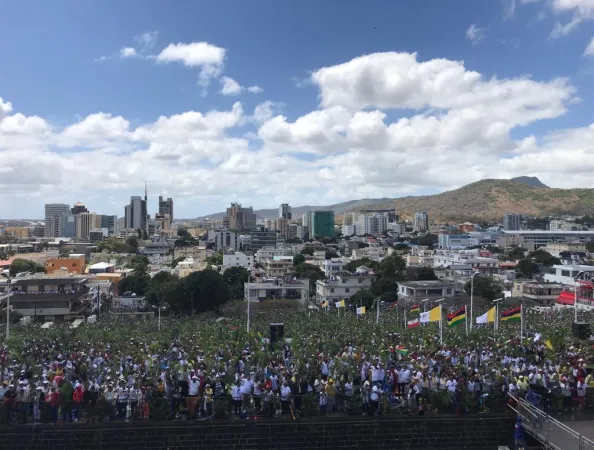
(512,315)
(433,315)
(393,305)
(260,337)
(488,317)
(413,323)
(361,310)
(549,344)
(457,318)
(325,304)
(340,304)
(401,349)
(415,308)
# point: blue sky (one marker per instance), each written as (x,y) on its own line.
(61,62)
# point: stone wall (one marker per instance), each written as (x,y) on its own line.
(443,433)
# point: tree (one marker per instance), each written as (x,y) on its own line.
(400,246)
(542,257)
(590,247)
(515,253)
(362,298)
(298,259)
(485,287)
(132,242)
(313,273)
(66,250)
(308,251)
(493,249)
(236,277)
(216,259)
(426,239)
(353,265)
(24,265)
(420,274)
(391,270)
(139,263)
(330,254)
(207,289)
(137,284)
(168,289)
(526,268)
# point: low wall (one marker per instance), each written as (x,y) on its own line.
(443,433)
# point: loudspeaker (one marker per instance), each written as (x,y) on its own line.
(581,330)
(277,332)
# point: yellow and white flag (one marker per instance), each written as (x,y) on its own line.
(433,315)
(488,317)
(361,310)
(340,304)
(325,304)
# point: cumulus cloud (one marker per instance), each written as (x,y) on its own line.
(581,11)
(590,49)
(475,34)
(127,52)
(147,41)
(207,57)
(347,148)
(231,87)
(255,89)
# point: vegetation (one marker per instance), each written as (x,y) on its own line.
(420,274)
(185,239)
(542,257)
(485,287)
(526,268)
(313,273)
(114,245)
(298,259)
(353,265)
(428,240)
(235,277)
(24,265)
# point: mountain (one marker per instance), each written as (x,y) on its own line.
(483,200)
(530,181)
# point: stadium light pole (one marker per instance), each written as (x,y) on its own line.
(496,301)
(472,298)
(7,305)
(575,298)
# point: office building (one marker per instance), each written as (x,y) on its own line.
(53,218)
(512,222)
(166,207)
(286,228)
(85,222)
(389,213)
(240,218)
(322,224)
(135,213)
(68,225)
(79,208)
(374,224)
(109,222)
(421,222)
(308,223)
(262,238)
(284,211)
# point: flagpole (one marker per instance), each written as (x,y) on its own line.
(377,311)
(521,321)
(466,315)
(440,326)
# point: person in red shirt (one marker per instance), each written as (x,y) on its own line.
(53,401)
(77,397)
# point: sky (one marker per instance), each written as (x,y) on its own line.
(301,102)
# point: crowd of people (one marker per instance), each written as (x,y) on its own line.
(121,368)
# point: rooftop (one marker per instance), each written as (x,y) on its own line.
(430,284)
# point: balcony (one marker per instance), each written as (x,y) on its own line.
(44,296)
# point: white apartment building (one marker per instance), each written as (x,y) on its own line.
(238,259)
(453,241)
(199,254)
(271,289)
(278,266)
(566,274)
(479,264)
(426,289)
(374,224)
(562,225)
(536,239)
(374,253)
(342,286)
(332,266)
(271,252)
(348,230)
(397,227)
(224,239)
(319,255)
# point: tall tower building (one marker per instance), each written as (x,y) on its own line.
(79,208)
(135,213)
(512,222)
(284,211)
(54,217)
(421,222)
(240,218)
(85,222)
(166,207)
(322,224)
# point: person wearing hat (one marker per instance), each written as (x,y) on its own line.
(520,443)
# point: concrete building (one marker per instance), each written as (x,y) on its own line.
(348,230)
(512,222)
(332,266)
(285,228)
(566,274)
(278,266)
(262,238)
(53,215)
(109,222)
(166,207)
(224,239)
(322,224)
(289,288)
(17,232)
(534,239)
(342,286)
(78,208)
(374,224)
(350,218)
(85,222)
(98,234)
(135,214)
(308,223)
(74,263)
(271,252)
(284,211)
(544,293)
(453,241)
(238,259)
(421,222)
(432,290)
(240,218)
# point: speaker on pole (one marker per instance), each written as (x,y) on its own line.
(581,330)
(277,332)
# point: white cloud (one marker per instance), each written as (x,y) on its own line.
(355,149)
(581,10)
(147,41)
(230,87)
(255,89)
(509,9)
(590,48)
(475,34)
(127,52)
(209,58)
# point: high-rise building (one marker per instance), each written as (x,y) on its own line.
(285,228)
(109,222)
(374,224)
(53,218)
(135,213)
(322,224)
(166,207)
(68,225)
(284,211)
(79,208)
(262,238)
(240,218)
(308,223)
(512,222)
(85,222)
(421,222)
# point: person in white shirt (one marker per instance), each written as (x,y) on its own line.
(236,397)
(285,393)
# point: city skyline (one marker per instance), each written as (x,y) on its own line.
(223,102)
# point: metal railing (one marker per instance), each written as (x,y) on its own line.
(547,430)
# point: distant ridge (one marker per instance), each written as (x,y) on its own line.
(483,200)
(530,181)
